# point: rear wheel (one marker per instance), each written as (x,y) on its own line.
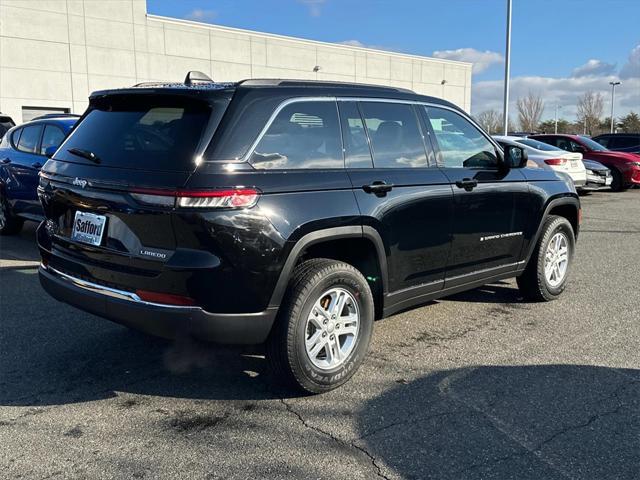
(323,328)
(617,183)
(546,274)
(9,223)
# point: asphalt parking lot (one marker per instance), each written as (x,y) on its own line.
(478,385)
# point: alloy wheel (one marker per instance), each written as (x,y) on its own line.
(332,328)
(556,260)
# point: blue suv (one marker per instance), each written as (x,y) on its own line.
(23,151)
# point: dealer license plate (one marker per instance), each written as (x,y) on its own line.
(88,228)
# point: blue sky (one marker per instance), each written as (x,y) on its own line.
(560,48)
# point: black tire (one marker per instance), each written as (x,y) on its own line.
(533,282)
(9,223)
(617,183)
(286,353)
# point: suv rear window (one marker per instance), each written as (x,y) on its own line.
(140,132)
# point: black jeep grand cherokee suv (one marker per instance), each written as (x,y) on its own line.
(292,213)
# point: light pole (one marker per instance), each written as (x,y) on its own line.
(613,98)
(556,129)
(507,65)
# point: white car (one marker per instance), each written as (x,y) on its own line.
(548,156)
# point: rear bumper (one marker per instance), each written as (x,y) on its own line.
(166,321)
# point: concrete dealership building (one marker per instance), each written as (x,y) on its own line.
(54,53)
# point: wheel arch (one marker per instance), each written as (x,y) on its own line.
(338,243)
(565,206)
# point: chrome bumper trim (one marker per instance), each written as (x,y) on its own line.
(110,292)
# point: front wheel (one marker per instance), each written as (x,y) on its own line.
(617,183)
(546,274)
(324,326)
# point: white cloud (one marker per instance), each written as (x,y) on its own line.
(359,44)
(631,69)
(353,43)
(594,75)
(481,60)
(562,91)
(201,15)
(594,68)
(315,6)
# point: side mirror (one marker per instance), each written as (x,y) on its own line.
(515,157)
(49,151)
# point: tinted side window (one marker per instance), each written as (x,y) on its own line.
(552,141)
(396,140)
(303,135)
(356,145)
(15,137)
(461,144)
(604,141)
(52,138)
(625,142)
(29,138)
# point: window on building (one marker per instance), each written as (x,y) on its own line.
(396,140)
(461,144)
(29,138)
(303,135)
(29,113)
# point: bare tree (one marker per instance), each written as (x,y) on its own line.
(590,108)
(530,110)
(490,121)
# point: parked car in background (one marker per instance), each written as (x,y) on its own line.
(620,142)
(598,176)
(292,213)
(6,123)
(546,156)
(624,166)
(23,151)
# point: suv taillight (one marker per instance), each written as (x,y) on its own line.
(223,198)
(555,161)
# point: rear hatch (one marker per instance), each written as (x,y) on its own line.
(105,221)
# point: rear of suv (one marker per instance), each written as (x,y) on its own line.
(292,213)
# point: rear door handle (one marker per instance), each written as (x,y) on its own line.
(5,160)
(378,187)
(467,183)
(36,165)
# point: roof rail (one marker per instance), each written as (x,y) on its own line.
(56,115)
(149,84)
(276,82)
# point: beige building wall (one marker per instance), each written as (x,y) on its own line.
(54,53)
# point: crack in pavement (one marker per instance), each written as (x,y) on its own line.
(337,440)
(408,420)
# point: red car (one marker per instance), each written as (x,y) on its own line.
(625,167)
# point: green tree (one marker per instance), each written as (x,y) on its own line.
(630,123)
(549,126)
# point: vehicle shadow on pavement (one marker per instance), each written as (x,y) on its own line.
(520,422)
(497,292)
(53,354)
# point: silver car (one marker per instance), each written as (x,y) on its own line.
(548,156)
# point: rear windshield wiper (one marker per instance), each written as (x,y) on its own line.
(84,154)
